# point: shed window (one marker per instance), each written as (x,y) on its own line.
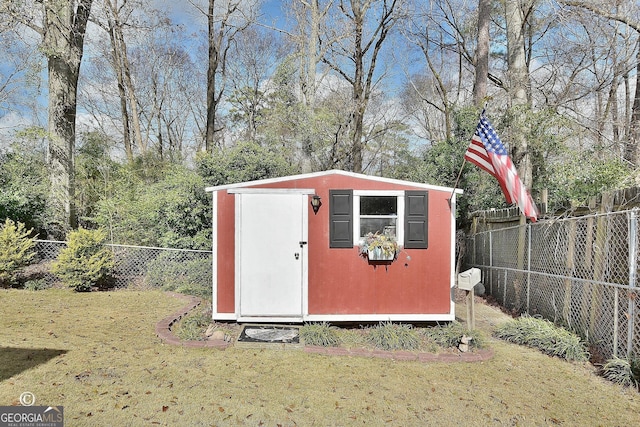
(378,214)
(378,211)
(353,214)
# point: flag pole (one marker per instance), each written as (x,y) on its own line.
(457,180)
(464,160)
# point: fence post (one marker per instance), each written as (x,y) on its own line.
(600,261)
(504,290)
(474,233)
(633,259)
(518,283)
(491,262)
(588,264)
(570,264)
(529,265)
(616,303)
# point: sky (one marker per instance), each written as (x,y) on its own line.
(271,10)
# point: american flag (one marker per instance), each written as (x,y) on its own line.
(487,152)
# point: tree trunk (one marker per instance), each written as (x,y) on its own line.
(310,17)
(312,55)
(631,146)
(518,86)
(212,70)
(130,89)
(482,53)
(359,98)
(131,127)
(518,75)
(122,92)
(63,42)
(222,30)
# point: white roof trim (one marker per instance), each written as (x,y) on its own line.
(332,172)
(252,190)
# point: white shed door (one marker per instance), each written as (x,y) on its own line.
(272,258)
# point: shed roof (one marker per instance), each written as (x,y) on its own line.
(332,172)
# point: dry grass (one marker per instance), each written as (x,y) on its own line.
(97,355)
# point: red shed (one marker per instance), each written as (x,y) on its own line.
(277,260)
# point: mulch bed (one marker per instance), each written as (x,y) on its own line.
(165,333)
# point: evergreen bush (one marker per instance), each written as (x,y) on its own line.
(394,336)
(86,261)
(320,334)
(16,251)
(545,336)
(621,371)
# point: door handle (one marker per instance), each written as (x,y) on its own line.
(302,243)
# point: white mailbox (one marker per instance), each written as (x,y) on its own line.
(469,278)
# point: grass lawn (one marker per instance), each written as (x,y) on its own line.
(97,355)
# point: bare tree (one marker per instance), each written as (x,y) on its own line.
(252,63)
(438,31)
(580,61)
(225,20)
(164,72)
(368,23)
(621,12)
(113,17)
(144,84)
(310,19)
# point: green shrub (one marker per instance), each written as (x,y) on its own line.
(621,371)
(321,334)
(192,328)
(450,335)
(394,336)
(545,336)
(16,251)
(170,271)
(36,285)
(24,179)
(168,210)
(86,261)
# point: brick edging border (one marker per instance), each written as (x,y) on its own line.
(164,332)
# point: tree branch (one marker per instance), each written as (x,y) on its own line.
(604,13)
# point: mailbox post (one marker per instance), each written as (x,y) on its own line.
(466,281)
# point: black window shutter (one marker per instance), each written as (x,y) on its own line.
(416,208)
(340,218)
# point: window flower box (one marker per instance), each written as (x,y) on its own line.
(378,254)
(379,247)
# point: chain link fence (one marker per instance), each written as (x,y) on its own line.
(581,273)
(180,270)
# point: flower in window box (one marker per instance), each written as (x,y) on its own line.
(383,247)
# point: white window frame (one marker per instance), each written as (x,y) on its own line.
(399,194)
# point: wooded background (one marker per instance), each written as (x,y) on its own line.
(117,113)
